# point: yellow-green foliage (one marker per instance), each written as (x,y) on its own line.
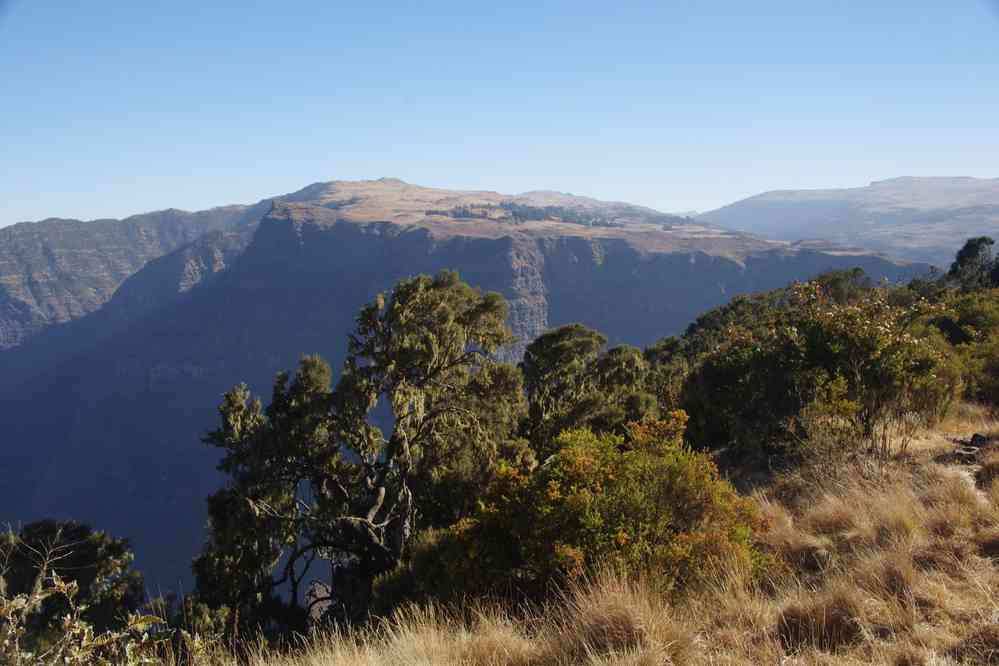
(900,373)
(970,322)
(641,501)
(891,371)
(29,636)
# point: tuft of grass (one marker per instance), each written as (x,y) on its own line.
(965,418)
(889,575)
(910,656)
(979,647)
(614,616)
(989,470)
(826,621)
(832,515)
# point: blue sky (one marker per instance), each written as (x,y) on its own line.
(108,108)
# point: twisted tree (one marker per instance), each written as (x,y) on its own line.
(314,479)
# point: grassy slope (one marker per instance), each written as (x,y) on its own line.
(886,564)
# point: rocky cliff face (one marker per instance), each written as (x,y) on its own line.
(161,283)
(108,430)
(55,271)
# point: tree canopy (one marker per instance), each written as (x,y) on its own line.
(313,478)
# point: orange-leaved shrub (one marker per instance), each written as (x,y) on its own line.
(642,502)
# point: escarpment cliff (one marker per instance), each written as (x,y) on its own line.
(161,283)
(57,270)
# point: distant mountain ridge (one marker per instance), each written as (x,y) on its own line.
(913,218)
(107,410)
(58,270)
(55,272)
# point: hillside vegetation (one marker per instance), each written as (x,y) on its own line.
(780,484)
(889,564)
(129,389)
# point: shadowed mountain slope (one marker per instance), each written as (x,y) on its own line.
(57,270)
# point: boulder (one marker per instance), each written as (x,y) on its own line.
(979,440)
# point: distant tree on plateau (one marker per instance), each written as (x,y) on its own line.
(974,267)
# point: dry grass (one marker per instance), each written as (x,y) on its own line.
(980,647)
(989,469)
(826,621)
(898,565)
(612,617)
(967,418)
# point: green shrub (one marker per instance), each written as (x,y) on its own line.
(891,373)
(571,381)
(99,565)
(980,361)
(970,323)
(643,501)
(31,634)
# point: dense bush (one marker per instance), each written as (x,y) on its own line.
(866,360)
(71,601)
(970,323)
(98,565)
(571,381)
(641,502)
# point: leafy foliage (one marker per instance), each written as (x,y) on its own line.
(970,323)
(314,479)
(641,501)
(572,382)
(45,619)
(97,564)
(973,267)
(751,390)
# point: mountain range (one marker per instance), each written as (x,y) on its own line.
(918,219)
(117,337)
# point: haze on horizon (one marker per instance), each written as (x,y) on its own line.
(114,109)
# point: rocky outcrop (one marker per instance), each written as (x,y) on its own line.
(55,271)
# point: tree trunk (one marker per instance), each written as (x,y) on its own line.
(352,584)
(376,552)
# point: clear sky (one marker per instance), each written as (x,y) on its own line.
(111,107)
